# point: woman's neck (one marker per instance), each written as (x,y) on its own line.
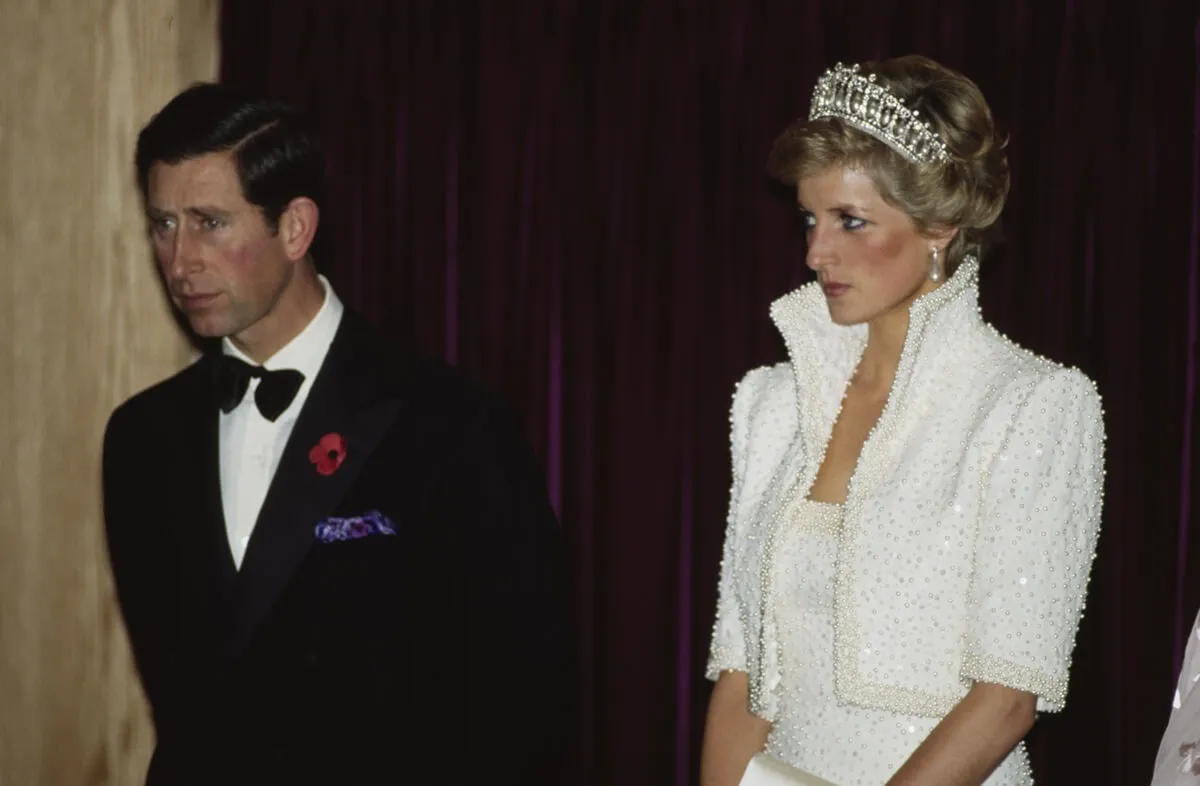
(881,358)
(886,335)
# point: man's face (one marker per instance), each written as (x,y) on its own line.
(223,265)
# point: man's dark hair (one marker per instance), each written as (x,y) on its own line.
(278,157)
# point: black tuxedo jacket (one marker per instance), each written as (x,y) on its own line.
(437,655)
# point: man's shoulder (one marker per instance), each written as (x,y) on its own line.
(148,417)
(446,394)
(434,389)
(159,399)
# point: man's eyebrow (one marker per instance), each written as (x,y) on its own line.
(207,211)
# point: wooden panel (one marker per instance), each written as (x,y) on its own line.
(82,326)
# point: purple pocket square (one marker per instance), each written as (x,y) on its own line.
(333,529)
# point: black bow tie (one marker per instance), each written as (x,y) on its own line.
(231,379)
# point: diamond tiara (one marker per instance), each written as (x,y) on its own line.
(870,107)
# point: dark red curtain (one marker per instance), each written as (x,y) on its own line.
(568,200)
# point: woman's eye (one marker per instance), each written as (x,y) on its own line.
(210,224)
(850,222)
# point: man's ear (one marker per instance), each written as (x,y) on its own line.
(298,226)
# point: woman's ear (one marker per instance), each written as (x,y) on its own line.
(940,237)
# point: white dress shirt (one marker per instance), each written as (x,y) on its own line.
(251,445)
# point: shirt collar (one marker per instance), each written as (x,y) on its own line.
(306,352)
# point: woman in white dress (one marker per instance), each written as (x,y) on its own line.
(916,500)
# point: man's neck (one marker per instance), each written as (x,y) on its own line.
(298,306)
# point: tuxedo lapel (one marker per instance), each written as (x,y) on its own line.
(211,510)
(347,399)
(202,563)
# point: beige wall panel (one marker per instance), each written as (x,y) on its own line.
(82,326)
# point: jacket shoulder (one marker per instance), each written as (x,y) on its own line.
(160,398)
(764,389)
(1025,386)
(1012,367)
(439,390)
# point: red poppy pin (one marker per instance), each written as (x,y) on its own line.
(328,454)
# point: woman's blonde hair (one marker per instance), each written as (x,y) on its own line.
(967,192)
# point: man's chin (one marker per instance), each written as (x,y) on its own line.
(206,328)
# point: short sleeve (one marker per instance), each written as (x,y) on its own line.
(1037,540)
(728,650)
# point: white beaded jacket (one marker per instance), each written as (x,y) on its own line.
(970,522)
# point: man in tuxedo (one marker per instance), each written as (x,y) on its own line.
(336,561)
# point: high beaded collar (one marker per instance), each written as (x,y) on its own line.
(816,344)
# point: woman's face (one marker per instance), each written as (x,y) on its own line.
(869,257)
